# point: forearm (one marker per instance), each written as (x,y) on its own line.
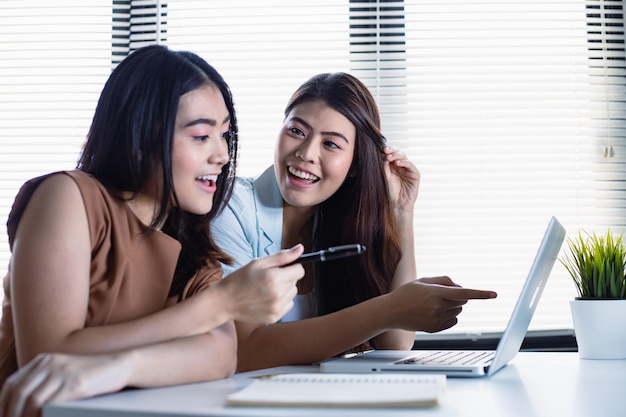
(186,360)
(394,339)
(56,377)
(197,315)
(312,340)
(406,271)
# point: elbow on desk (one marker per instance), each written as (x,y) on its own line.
(221,358)
(230,371)
(218,367)
(394,340)
(230,361)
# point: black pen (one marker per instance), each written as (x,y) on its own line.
(331,253)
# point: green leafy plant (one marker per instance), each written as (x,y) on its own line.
(597,264)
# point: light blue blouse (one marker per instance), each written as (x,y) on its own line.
(251,226)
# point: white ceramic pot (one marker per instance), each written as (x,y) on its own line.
(600,327)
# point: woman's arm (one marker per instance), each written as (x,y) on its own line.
(403,178)
(61,377)
(413,306)
(50,287)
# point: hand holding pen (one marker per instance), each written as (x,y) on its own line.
(334,252)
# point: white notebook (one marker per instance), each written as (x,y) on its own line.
(341,390)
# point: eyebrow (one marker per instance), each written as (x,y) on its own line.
(308,126)
(210,122)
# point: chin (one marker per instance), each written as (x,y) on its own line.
(198,210)
(299,203)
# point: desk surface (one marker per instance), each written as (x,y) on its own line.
(533,384)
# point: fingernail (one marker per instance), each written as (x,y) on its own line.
(295,248)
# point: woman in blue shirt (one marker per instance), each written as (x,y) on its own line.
(335,181)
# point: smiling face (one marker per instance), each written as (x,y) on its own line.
(313,154)
(199,150)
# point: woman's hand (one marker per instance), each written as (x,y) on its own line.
(403,178)
(443,280)
(263,290)
(430,304)
(59,377)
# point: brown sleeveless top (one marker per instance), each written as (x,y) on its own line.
(131,272)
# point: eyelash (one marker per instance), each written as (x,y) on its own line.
(332,144)
(298,132)
(228,135)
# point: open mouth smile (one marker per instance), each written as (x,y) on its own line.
(208,180)
(302,176)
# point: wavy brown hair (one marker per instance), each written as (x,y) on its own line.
(360,211)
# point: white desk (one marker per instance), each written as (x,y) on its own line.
(533,384)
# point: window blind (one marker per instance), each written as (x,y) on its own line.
(605,21)
(499,125)
(497,102)
(513,111)
(54,60)
(136,23)
(378,57)
(264,51)
(509,125)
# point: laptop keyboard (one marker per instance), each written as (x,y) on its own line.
(456,357)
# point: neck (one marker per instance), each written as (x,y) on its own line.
(297,226)
(143,207)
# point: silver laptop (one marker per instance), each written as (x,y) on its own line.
(464,363)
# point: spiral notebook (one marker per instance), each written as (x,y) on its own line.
(341,390)
(468,363)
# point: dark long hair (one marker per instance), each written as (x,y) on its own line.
(360,211)
(131,138)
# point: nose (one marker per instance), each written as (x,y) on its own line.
(219,154)
(308,150)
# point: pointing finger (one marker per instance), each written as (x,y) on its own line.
(464,294)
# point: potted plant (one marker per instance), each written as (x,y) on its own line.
(597,266)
